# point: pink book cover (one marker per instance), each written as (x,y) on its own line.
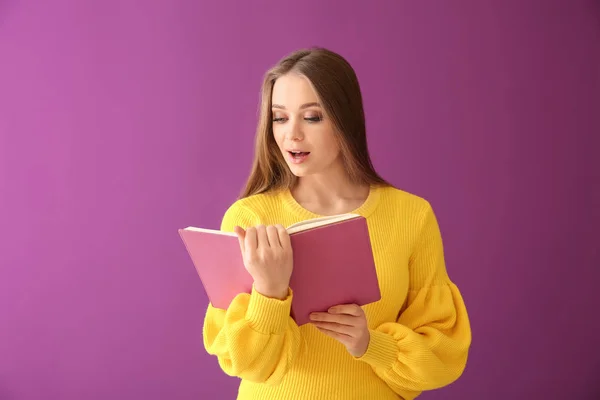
(333,264)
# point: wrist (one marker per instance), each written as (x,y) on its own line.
(382,350)
(362,345)
(268,315)
(272,292)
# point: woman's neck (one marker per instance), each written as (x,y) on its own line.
(329,194)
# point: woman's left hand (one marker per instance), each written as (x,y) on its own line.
(346,323)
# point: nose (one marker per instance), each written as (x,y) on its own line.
(294,132)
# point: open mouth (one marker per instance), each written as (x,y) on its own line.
(299,153)
(298,156)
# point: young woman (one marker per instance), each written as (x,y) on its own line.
(312,160)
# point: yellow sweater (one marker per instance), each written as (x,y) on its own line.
(420,331)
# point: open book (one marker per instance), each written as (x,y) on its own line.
(333,264)
(294,228)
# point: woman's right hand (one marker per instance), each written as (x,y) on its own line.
(267,254)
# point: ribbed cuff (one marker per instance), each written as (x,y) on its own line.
(382,351)
(268,315)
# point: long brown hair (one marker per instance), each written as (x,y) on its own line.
(338,90)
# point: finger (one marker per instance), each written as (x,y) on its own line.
(261,233)
(342,319)
(344,339)
(250,242)
(241,235)
(348,309)
(273,236)
(284,237)
(335,327)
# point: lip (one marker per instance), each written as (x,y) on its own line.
(297,160)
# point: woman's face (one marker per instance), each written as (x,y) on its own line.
(304,134)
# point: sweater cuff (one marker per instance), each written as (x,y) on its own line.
(382,351)
(268,315)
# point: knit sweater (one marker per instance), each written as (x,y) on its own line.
(419,331)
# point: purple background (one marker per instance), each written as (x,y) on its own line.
(121,121)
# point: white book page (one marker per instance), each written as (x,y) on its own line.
(294,228)
(316,222)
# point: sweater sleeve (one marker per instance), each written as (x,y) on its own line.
(427,347)
(254,338)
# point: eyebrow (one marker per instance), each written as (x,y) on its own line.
(303,106)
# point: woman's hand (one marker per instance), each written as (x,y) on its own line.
(346,323)
(267,254)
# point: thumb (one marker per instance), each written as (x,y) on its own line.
(241,235)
